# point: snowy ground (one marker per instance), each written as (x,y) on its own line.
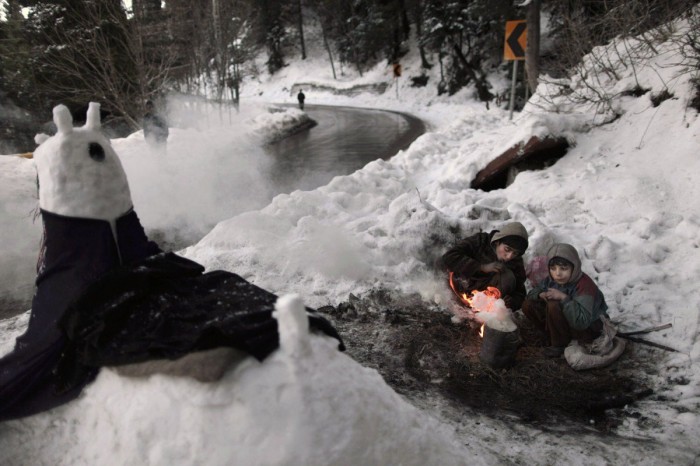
(625,194)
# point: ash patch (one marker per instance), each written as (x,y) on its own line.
(421,352)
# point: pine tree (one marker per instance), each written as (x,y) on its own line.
(190,37)
(272,33)
(468,38)
(16,77)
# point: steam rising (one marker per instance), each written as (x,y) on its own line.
(493,312)
(213,168)
(20,234)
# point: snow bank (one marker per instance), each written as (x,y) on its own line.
(623,195)
(307,404)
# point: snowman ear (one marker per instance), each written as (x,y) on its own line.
(93,116)
(63,119)
(40,138)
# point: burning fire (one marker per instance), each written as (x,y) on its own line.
(491,294)
(490,291)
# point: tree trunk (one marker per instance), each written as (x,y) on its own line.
(418,17)
(482,89)
(220,68)
(532,53)
(328,49)
(405,24)
(301,31)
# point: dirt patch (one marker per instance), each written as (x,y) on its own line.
(418,349)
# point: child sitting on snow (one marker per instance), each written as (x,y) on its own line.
(490,259)
(567,305)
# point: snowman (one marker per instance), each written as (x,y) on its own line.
(105,294)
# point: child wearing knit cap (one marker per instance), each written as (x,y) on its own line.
(490,259)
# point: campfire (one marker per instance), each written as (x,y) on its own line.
(498,331)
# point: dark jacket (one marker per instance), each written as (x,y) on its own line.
(466,258)
(76,253)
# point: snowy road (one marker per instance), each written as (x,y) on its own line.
(345,140)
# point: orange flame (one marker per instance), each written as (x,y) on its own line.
(490,291)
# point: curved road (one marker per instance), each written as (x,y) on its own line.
(345,140)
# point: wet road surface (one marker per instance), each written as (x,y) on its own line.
(345,140)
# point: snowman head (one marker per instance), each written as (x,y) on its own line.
(80,175)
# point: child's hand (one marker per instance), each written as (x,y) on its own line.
(553,294)
(508,301)
(492,267)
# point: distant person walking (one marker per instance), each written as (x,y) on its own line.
(301,97)
(155,129)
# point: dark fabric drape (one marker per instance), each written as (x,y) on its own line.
(109,297)
(165,307)
(76,253)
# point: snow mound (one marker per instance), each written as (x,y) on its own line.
(306,404)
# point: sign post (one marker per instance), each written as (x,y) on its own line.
(514,49)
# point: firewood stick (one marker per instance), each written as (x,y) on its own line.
(647,342)
(647,330)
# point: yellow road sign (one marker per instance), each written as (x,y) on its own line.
(516,40)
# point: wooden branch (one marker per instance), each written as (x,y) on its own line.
(647,342)
(646,330)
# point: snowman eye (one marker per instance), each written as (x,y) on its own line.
(97,153)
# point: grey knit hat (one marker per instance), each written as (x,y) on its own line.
(514,235)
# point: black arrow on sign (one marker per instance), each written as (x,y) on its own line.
(512,40)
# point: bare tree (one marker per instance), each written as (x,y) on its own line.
(418,19)
(237,37)
(100,57)
(532,54)
(586,29)
(300,24)
(324,16)
(190,38)
(327,46)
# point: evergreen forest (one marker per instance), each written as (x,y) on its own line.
(75,51)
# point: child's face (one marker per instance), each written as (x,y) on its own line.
(505,253)
(561,274)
